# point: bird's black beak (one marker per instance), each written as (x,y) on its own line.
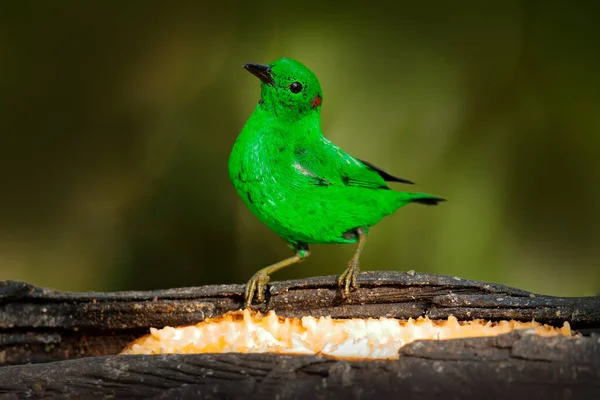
(263,72)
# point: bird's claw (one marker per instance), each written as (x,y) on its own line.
(349,278)
(256,284)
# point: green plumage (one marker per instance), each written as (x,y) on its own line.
(298,183)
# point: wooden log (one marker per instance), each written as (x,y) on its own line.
(54,330)
(515,365)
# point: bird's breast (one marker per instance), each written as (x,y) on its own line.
(257,169)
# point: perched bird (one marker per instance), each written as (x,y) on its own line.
(301,185)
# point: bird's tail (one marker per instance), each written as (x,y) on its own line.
(420,198)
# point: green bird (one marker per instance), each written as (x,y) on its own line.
(302,186)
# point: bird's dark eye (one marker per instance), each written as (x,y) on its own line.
(296,87)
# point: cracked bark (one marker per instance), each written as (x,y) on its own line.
(54,330)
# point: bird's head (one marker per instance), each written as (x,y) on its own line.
(290,89)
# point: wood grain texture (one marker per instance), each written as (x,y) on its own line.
(516,365)
(72,339)
(40,325)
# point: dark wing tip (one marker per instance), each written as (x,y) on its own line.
(401,180)
(429,201)
(386,177)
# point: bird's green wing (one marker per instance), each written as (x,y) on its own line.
(326,164)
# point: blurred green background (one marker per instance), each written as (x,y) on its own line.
(117,119)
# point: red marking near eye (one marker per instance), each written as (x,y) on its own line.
(316,102)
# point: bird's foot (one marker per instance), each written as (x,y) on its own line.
(349,278)
(256,285)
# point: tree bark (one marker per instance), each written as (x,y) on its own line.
(54,330)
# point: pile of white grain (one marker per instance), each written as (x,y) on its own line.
(250,332)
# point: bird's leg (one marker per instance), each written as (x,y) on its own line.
(257,283)
(349,278)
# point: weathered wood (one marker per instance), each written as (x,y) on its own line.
(42,325)
(517,365)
